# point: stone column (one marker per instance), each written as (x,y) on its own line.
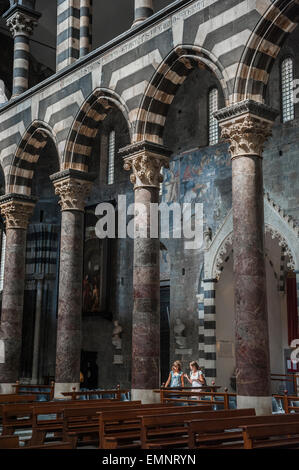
(16,210)
(21,22)
(210,328)
(37,325)
(68,32)
(143,9)
(85,26)
(145,161)
(247,125)
(72,187)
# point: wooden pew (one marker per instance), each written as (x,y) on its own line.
(13,398)
(286,401)
(172,430)
(20,416)
(55,423)
(271,436)
(124,430)
(9,442)
(12,442)
(214,432)
(46,390)
(84,423)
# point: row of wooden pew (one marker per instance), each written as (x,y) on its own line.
(111,424)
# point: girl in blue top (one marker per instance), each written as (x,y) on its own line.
(176,376)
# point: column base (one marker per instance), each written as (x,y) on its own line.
(7,388)
(146,396)
(262,405)
(65,387)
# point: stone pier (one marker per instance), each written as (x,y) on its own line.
(16,210)
(246,126)
(145,161)
(72,187)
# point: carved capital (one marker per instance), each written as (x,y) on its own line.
(72,187)
(16,212)
(247,126)
(21,23)
(72,193)
(145,160)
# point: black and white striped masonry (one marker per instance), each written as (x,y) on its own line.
(210,327)
(21,22)
(68,32)
(143,9)
(85,27)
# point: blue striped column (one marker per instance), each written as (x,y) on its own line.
(85,27)
(210,327)
(68,32)
(21,26)
(143,10)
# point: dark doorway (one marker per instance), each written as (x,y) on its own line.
(89,369)
(164,331)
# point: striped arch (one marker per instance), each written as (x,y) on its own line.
(21,171)
(262,48)
(86,125)
(164,85)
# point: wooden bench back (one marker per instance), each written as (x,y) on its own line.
(13,398)
(202,426)
(198,429)
(172,419)
(122,419)
(252,435)
(9,442)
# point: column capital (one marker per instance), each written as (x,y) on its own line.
(21,20)
(145,159)
(72,187)
(17,210)
(246,125)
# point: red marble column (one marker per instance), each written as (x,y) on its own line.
(247,125)
(16,211)
(145,160)
(72,188)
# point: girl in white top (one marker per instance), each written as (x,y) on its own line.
(196,376)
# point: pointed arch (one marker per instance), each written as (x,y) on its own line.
(86,125)
(277,224)
(263,46)
(21,171)
(164,85)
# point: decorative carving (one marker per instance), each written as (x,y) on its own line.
(207,234)
(116,335)
(283,243)
(146,169)
(16,213)
(247,135)
(286,217)
(145,159)
(21,23)
(72,193)
(179,329)
(221,255)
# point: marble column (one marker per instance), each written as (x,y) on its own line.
(85,27)
(16,210)
(247,125)
(72,187)
(143,9)
(145,161)
(21,21)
